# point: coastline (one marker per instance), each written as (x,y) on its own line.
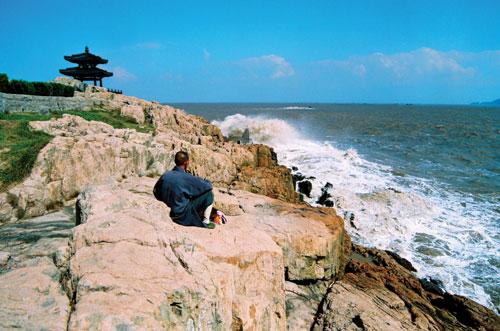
(129,156)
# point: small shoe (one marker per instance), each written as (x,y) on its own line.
(222,217)
(210,225)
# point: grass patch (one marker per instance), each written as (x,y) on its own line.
(19,145)
(112,118)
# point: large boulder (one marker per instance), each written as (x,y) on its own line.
(78,85)
(134,112)
(131,266)
(378,292)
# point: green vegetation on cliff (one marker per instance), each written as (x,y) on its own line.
(19,145)
(34,88)
(112,118)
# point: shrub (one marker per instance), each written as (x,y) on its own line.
(35,88)
(21,87)
(69,91)
(42,88)
(4,83)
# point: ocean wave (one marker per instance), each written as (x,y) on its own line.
(409,215)
(287,108)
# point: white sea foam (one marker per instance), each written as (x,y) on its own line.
(287,108)
(414,218)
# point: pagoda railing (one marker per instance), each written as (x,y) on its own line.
(115,91)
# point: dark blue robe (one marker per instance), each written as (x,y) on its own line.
(176,188)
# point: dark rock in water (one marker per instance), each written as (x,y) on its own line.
(398,173)
(401,260)
(463,204)
(305,187)
(394,190)
(433,285)
(297,178)
(294,168)
(311,177)
(329,203)
(274,156)
(351,221)
(244,139)
(324,198)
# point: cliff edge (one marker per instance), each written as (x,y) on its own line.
(85,246)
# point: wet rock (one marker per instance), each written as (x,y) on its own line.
(329,203)
(297,177)
(305,187)
(350,217)
(294,168)
(394,190)
(325,197)
(243,139)
(433,285)
(401,260)
(380,294)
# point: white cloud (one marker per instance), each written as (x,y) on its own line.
(426,62)
(270,66)
(122,74)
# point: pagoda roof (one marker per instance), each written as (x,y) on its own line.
(86,73)
(85,57)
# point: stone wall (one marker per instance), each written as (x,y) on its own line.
(43,104)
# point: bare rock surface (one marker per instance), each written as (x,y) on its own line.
(84,153)
(130,265)
(35,237)
(377,293)
(31,297)
(126,266)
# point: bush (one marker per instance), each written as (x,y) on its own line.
(4,83)
(69,91)
(35,88)
(21,87)
(42,88)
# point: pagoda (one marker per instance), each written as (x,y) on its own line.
(87,67)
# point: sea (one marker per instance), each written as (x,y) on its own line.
(420,180)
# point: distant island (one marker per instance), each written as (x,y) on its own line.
(494,103)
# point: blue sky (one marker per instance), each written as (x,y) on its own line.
(266,51)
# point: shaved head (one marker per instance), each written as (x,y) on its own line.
(181,158)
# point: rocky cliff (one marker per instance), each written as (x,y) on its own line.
(117,261)
(86,153)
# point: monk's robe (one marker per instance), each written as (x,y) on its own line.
(177,189)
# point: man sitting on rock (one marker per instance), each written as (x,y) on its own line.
(190,198)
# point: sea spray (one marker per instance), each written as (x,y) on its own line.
(383,208)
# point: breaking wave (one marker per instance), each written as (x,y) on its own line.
(409,215)
(287,108)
